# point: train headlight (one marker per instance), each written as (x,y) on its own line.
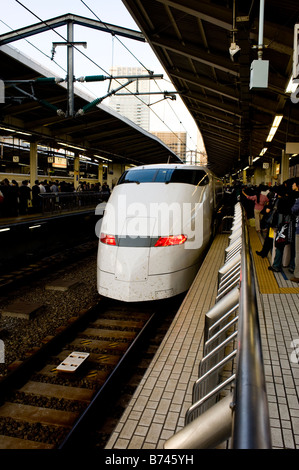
(171,240)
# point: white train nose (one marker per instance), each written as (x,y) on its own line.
(132,263)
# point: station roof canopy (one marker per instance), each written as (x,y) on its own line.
(207,49)
(32,106)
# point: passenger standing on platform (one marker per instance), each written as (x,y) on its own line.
(47,186)
(36,200)
(54,187)
(260,199)
(42,188)
(24,197)
(5,190)
(105,192)
(1,202)
(283,219)
(295,212)
(248,204)
(14,199)
(269,221)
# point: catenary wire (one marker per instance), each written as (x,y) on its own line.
(97,65)
(146,68)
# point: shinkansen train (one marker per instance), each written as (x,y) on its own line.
(156,226)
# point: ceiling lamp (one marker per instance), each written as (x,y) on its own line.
(274,127)
(263,151)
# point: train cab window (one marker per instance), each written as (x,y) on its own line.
(138,176)
(164,175)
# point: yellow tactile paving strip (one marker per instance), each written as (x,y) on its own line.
(266,279)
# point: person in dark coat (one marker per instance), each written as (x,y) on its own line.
(295,212)
(24,194)
(269,221)
(283,217)
(36,200)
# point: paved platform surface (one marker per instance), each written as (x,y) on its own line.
(157,409)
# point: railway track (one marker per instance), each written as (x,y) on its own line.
(44,408)
(31,271)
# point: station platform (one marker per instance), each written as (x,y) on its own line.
(157,410)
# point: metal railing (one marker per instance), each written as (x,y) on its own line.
(229,401)
(63,202)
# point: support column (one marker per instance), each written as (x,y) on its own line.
(76,171)
(70,69)
(284,170)
(33,163)
(100,173)
(244,177)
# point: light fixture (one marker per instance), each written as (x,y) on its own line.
(291,86)
(70,146)
(14,130)
(103,158)
(264,150)
(255,159)
(274,127)
(6,129)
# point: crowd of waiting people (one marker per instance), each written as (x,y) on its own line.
(18,199)
(275,210)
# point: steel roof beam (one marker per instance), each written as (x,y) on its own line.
(52,23)
(211,13)
(198,54)
(214,103)
(205,83)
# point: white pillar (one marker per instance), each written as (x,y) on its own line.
(76,171)
(100,173)
(284,170)
(33,163)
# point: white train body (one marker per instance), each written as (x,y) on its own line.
(156,226)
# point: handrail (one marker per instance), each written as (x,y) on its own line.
(66,201)
(249,405)
(251,424)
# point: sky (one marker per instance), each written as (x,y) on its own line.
(103,51)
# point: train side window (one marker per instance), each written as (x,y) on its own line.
(194,177)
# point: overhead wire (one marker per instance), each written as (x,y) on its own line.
(147,69)
(97,65)
(37,48)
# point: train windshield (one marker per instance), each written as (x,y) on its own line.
(163,175)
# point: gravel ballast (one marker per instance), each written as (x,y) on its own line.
(19,335)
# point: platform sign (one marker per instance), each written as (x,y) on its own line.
(59,162)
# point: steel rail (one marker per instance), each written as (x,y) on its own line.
(77,435)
